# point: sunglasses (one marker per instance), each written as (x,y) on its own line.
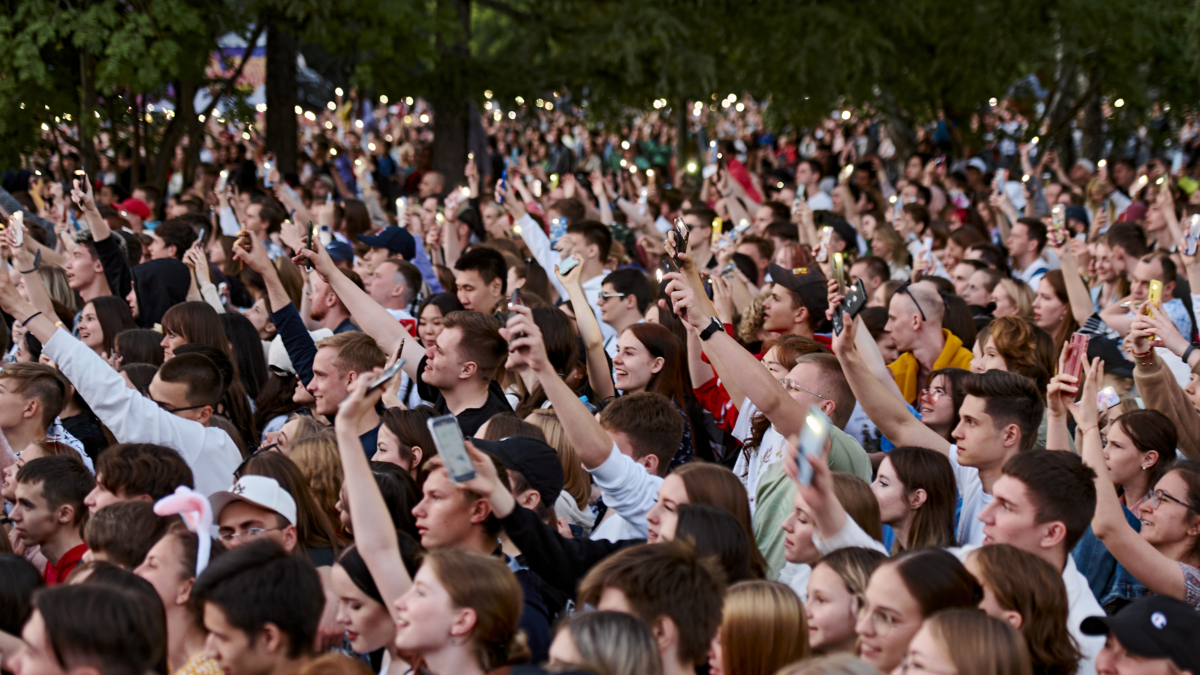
(904,289)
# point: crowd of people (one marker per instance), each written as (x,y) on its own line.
(803,405)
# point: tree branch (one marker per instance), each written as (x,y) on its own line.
(231,81)
(505,9)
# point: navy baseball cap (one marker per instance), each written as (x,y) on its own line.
(340,251)
(395,239)
(1153,627)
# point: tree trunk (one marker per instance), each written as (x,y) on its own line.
(282,129)
(449,99)
(135,168)
(681,139)
(185,93)
(87,118)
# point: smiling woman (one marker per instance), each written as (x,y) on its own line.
(100,322)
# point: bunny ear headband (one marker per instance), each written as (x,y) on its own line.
(197,515)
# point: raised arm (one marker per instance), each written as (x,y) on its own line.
(23,258)
(886,410)
(368,315)
(374,531)
(1156,571)
(599,372)
(1077,291)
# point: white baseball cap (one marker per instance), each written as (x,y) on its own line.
(277,356)
(260,491)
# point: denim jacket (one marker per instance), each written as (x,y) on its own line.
(1112,585)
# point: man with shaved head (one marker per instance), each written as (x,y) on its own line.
(915,324)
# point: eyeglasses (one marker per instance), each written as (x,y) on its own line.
(606,296)
(907,665)
(884,623)
(250,534)
(933,394)
(168,408)
(904,289)
(792,385)
(1155,498)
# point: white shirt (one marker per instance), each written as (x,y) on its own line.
(629,491)
(1033,274)
(133,418)
(974,500)
(547,257)
(750,466)
(820,202)
(795,576)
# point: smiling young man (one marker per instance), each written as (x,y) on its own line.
(1043,502)
(261,610)
(341,359)
(625,296)
(49,511)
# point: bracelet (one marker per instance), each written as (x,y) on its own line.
(1084,432)
(31,318)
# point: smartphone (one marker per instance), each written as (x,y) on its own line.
(797,202)
(839,271)
(312,239)
(1058,226)
(813,436)
(1107,397)
(1137,186)
(823,247)
(387,374)
(681,231)
(325,235)
(402,211)
(558,230)
(847,171)
(267,166)
(852,305)
(1193,235)
(741,227)
(203,238)
(222,180)
(800,191)
(448,439)
(515,301)
(1155,296)
(927,251)
(898,209)
(567,265)
(1076,354)
(503,186)
(1000,180)
(716,232)
(19,228)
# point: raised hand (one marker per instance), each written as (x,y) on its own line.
(1156,331)
(572,275)
(358,403)
(525,341)
(249,250)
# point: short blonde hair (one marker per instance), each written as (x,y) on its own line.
(1021,295)
(356,352)
(577,482)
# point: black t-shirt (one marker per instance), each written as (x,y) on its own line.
(470,419)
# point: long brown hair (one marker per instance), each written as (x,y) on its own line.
(317,458)
(860,503)
(715,485)
(1068,325)
(763,628)
(979,644)
(487,586)
(1151,430)
(1023,583)
(928,470)
(660,343)
(198,323)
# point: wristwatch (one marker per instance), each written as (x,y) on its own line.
(715,327)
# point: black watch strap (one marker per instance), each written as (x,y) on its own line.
(1188,352)
(713,328)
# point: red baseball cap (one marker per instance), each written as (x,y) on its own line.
(135,206)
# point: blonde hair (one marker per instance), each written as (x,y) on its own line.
(763,628)
(334,664)
(979,644)
(835,664)
(1021,296)
(317,457)
(576,481)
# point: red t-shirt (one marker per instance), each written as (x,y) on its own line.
(57,572)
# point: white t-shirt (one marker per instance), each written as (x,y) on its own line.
(974,500)
(752,465)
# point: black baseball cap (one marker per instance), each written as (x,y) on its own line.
(533,459)
(806,282)
(1154,627)
(395,239)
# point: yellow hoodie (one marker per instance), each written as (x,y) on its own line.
(905,368)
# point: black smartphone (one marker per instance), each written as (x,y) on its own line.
(852,305)
(387,374)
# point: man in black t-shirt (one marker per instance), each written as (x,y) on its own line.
(458,372)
